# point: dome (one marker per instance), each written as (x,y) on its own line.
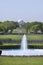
(21,21)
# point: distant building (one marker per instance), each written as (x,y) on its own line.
(21,22)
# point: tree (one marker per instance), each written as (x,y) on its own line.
(35,28)
(12,26)
(9,25)
(27,26)
(41,27)
(1,27)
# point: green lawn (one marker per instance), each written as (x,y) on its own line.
(35,37)
(19,37)
(21,60)
(13,37)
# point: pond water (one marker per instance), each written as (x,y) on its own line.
(28,52)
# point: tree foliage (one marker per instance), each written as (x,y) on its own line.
(34,26)
(29,26)
(8,25)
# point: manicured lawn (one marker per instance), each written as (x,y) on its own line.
(21,60)
(19,37)
(12,37)
(35,37)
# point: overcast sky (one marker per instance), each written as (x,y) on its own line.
(27,10)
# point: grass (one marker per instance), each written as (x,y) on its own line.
(12,37)
(21,60)
(19,37)
(35,37)
(8,44)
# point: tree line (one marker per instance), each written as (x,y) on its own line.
(29,26)
(8,25)
(34,27)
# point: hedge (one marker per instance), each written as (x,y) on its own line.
(9,46)
(0,52)
(17,46)
(35,46)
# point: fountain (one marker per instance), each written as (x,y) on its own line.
(24,43)
(23,51)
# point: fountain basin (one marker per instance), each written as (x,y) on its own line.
(28,52)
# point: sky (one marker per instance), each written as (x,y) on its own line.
(26,10)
